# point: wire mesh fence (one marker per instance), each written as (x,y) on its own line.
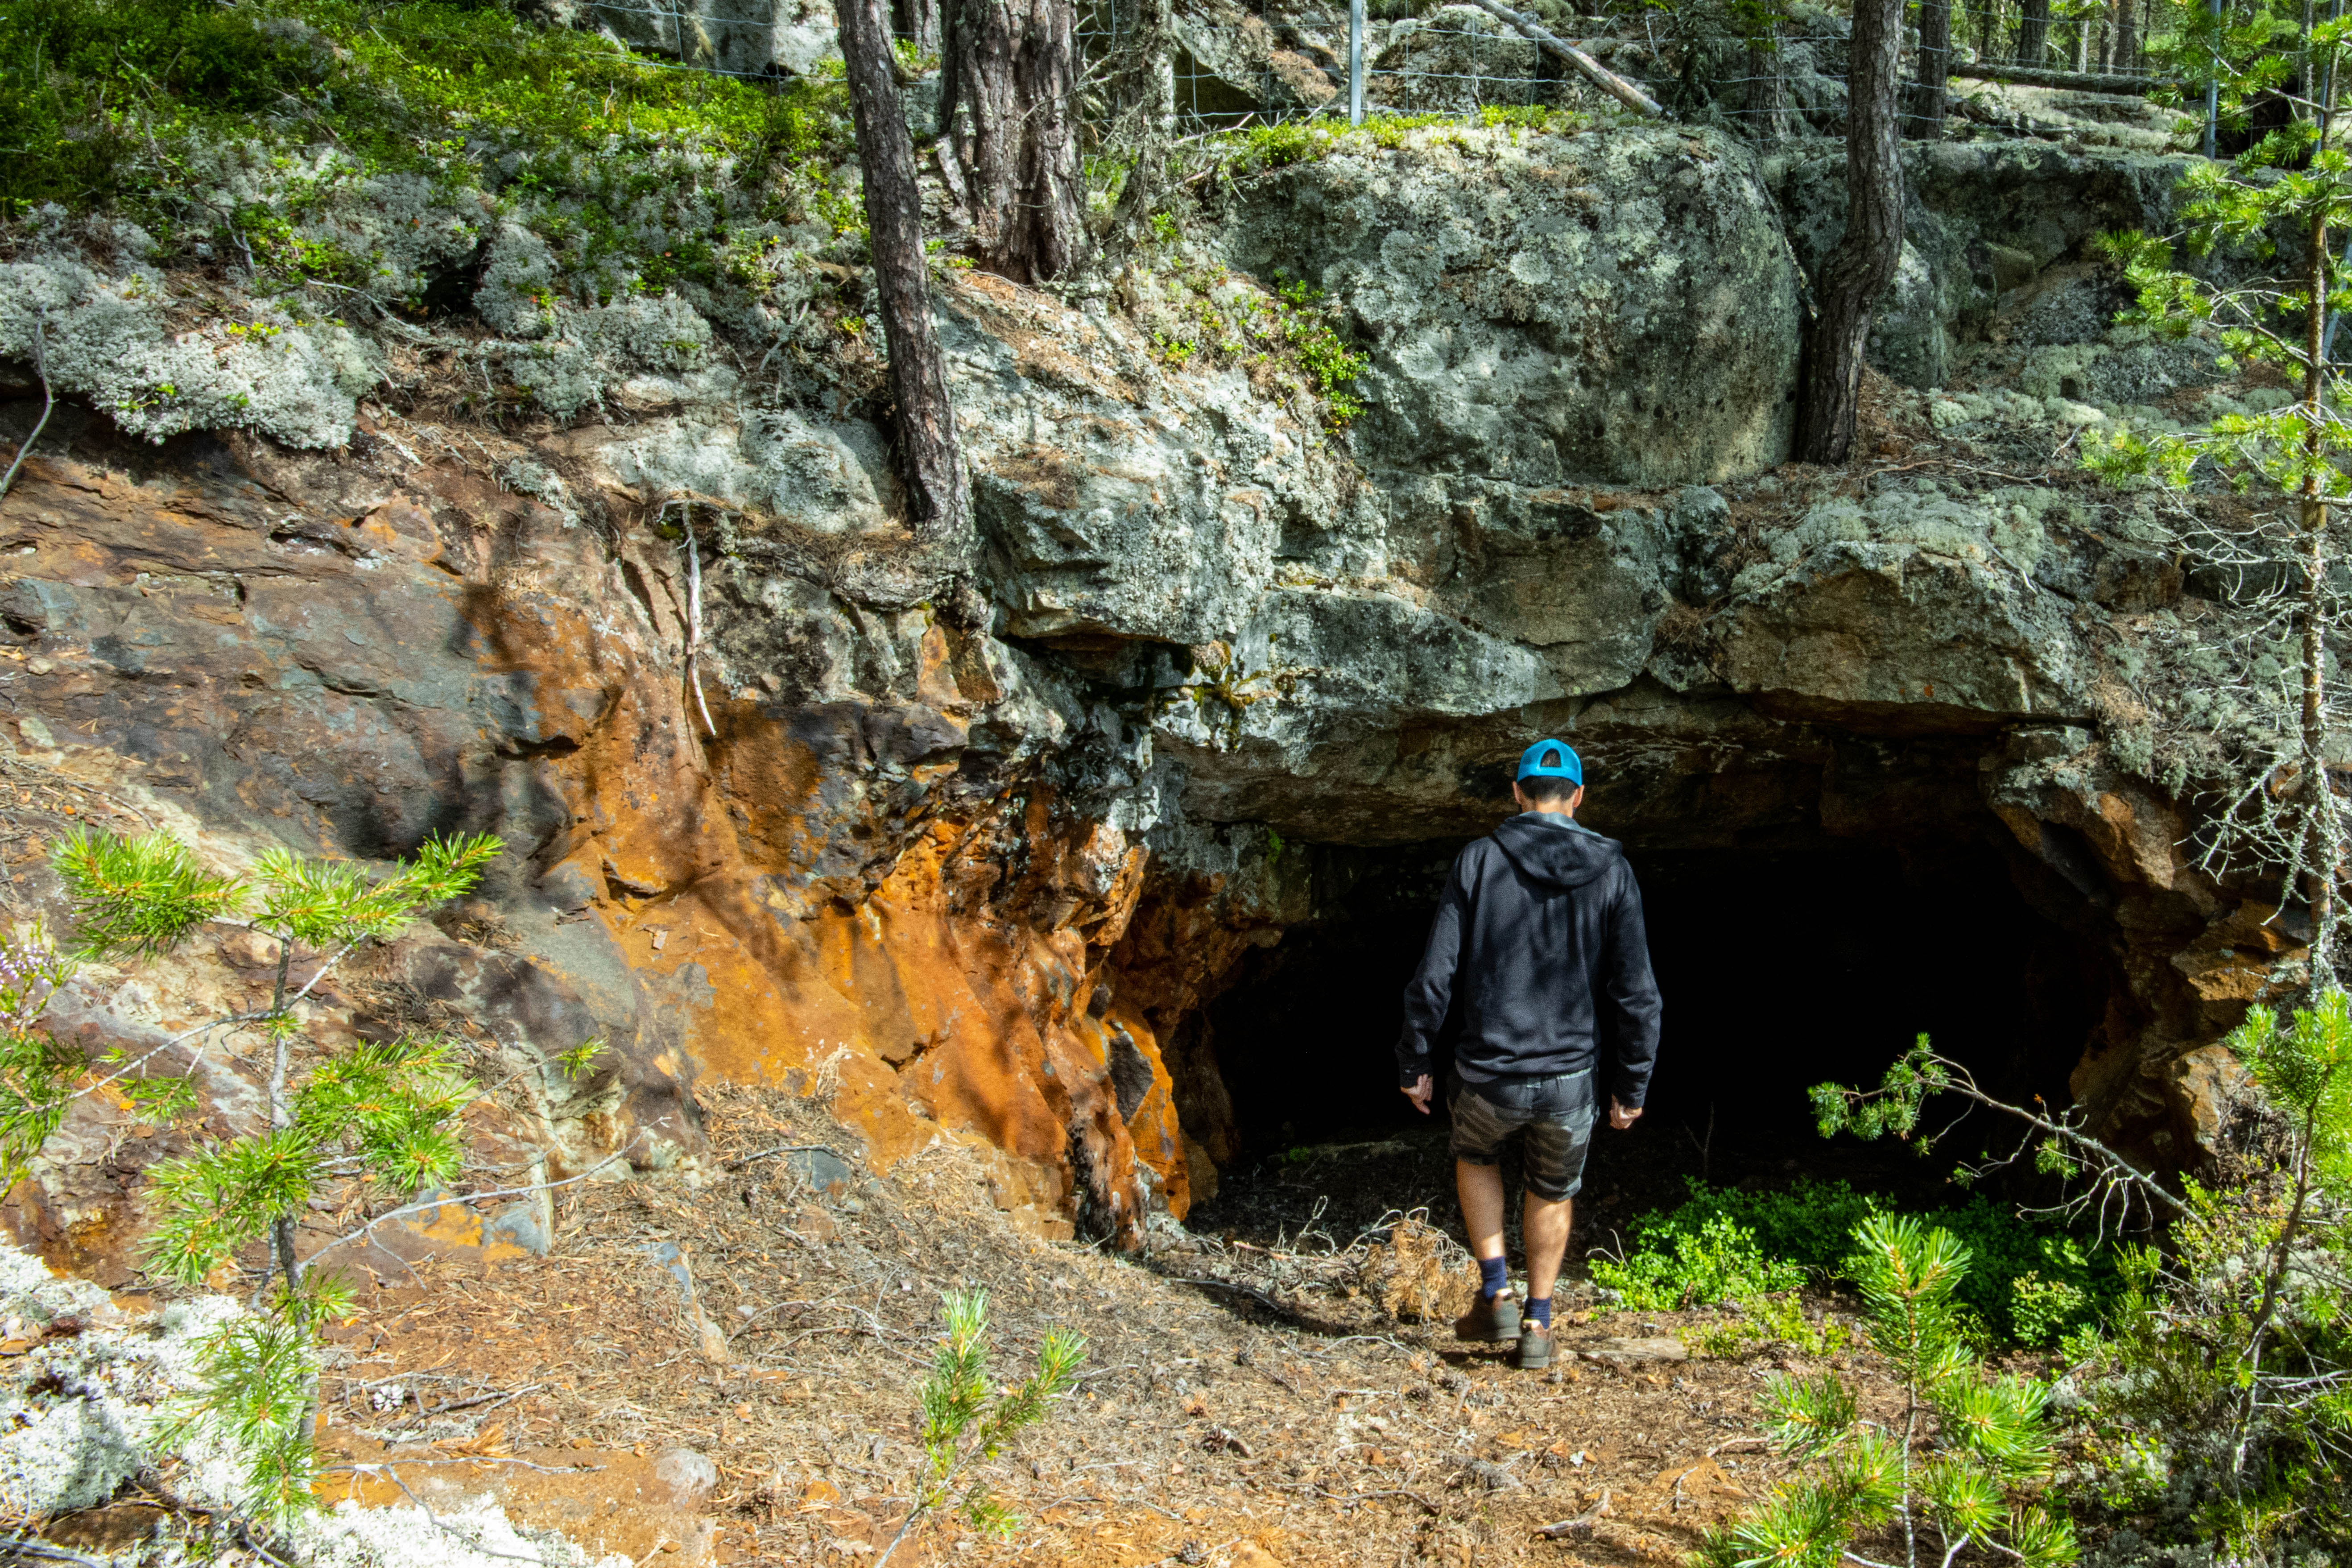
(1458,59)
(2092,40)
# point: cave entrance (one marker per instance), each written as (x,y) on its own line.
(1780,966)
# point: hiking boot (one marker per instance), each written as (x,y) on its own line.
(1494,1321)
(1535,1347)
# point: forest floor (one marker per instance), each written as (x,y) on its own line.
(1242,1402)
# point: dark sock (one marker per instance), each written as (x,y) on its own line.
(1537,1312)
(1494,1276)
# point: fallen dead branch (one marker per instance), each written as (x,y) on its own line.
(1582,1523)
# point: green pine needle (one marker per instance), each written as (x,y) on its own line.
(140,896)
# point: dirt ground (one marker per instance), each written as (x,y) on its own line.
(1241,1402)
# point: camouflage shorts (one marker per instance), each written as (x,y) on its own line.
(1554,1113)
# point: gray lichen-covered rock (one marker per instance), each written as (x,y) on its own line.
(2118,120)
(105,336)
(1616,305)
(1904,614)
(1231,61)
(86,1403)
(1458,59)
(743,38)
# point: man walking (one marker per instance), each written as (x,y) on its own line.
(1539,929)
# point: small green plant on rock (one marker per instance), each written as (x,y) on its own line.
(1963,1466)
(37,1073)
(1288,337)
(964,1423)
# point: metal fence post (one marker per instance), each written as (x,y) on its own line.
(2213,82)
(1355,62)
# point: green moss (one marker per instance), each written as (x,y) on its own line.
(1287,333)
(1262,147)
(273,127)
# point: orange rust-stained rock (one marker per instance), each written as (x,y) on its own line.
(810,896)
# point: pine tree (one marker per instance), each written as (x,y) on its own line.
(1971,1452)
(2276,814)
(963,1422)
(2225,1373)
(384,1113)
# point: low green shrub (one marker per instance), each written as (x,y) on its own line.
(313,136)
(2027,1284)
(1691,1258)
(1768,1320)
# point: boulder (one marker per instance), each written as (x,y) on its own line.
(1611,306)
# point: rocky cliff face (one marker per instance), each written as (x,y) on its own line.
(963,838)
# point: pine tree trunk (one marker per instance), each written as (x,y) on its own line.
(1863,262)
(281,1117)
(1009,102)
(2304,85)
(2126,53)
(924,421)
(2032,32)
(1925,120)
(1146,88)
(1149,88)
(922,21)
(2322,847)
(1767,88)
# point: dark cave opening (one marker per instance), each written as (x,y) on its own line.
(1780,966)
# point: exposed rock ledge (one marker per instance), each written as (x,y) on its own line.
(974,834)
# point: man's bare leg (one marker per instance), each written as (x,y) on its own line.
(1493,1317)
(1481,1189)
(1546,1223)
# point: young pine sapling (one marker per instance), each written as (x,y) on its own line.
(964,1423)
(2226,1372)
(1971,1449)
(383,1113)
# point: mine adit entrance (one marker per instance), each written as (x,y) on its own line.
(1782,964)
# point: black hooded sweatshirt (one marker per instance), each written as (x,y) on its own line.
(1540,928)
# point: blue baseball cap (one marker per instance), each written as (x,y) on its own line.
(1551,760)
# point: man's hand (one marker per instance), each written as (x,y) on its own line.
(1420,1092)
(1618,1117)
